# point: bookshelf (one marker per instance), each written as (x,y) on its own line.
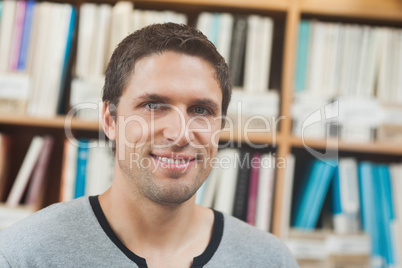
(287,14)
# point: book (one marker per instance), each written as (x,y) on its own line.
(51,80)
(25,171)
(67,64)
(345,197)
(26,39)
(98,49)
(82,161)
(311,196)
(266,190)
(224,38)
(237,50)
(225,194)
(396,182)
(100,169)
(386,209)
(5,147)
(120,24)
(37,182)
(69,171)
(287,196)
(242,184)
(86,36)
(253,188)
(17,34)
(6,32)
(370,215)
(302,55)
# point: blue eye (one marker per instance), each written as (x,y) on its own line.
(152,105)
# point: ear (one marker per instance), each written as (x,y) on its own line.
(108,122)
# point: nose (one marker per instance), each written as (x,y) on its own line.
(176,129)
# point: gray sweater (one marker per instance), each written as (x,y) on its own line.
(76,234)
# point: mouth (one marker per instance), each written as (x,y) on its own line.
(174,162)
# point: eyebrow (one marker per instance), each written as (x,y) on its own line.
(153,97)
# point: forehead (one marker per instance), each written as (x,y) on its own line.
(174,73)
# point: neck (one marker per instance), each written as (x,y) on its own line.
(150,229)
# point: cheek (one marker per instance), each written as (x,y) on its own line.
(132,132)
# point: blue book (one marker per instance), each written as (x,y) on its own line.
(61,104)
(26,36)
(215,29)
(387,212)
(82,159)
(324,182)
(317,182)
(369,212)
(302,55)
(1,8)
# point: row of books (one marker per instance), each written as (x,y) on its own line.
(35,45)
(335,59)
(241,184)
(362,196)
(246,44)
(27,187)
(244,41)
(356,68)
(101,28)
(88,167)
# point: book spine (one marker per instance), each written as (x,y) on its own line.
(82,160)
(38,176)
(253,188)
(26,36)
(17,35)
(243,177)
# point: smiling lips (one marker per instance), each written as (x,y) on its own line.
(173,162)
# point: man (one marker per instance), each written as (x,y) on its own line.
(166,90)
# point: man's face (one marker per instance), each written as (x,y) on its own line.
(167,126)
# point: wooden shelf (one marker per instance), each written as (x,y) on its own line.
(60,122)
(374,147)
(389,10)
(40,122)
(274,5)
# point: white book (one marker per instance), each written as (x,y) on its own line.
(348,220)
(355,56)
(25,171)
(227,181)
(331,58)
(204,24)
(252,55)
(396,187)
(316,62)
(287,196)
(6,32)
(266,183)
(120,27)
(100,39)
(51,80)
(267,28)
(137,20)
(86,37)
(399,84)
(99,172)
(211,187)
(33,38)
(225,35)
(40,53)
(395,68)
(346,61)
(69,171)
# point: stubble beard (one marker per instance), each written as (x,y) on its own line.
(169,192)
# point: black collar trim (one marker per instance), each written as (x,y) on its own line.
(198,261)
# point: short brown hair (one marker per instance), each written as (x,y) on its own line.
(158,38)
